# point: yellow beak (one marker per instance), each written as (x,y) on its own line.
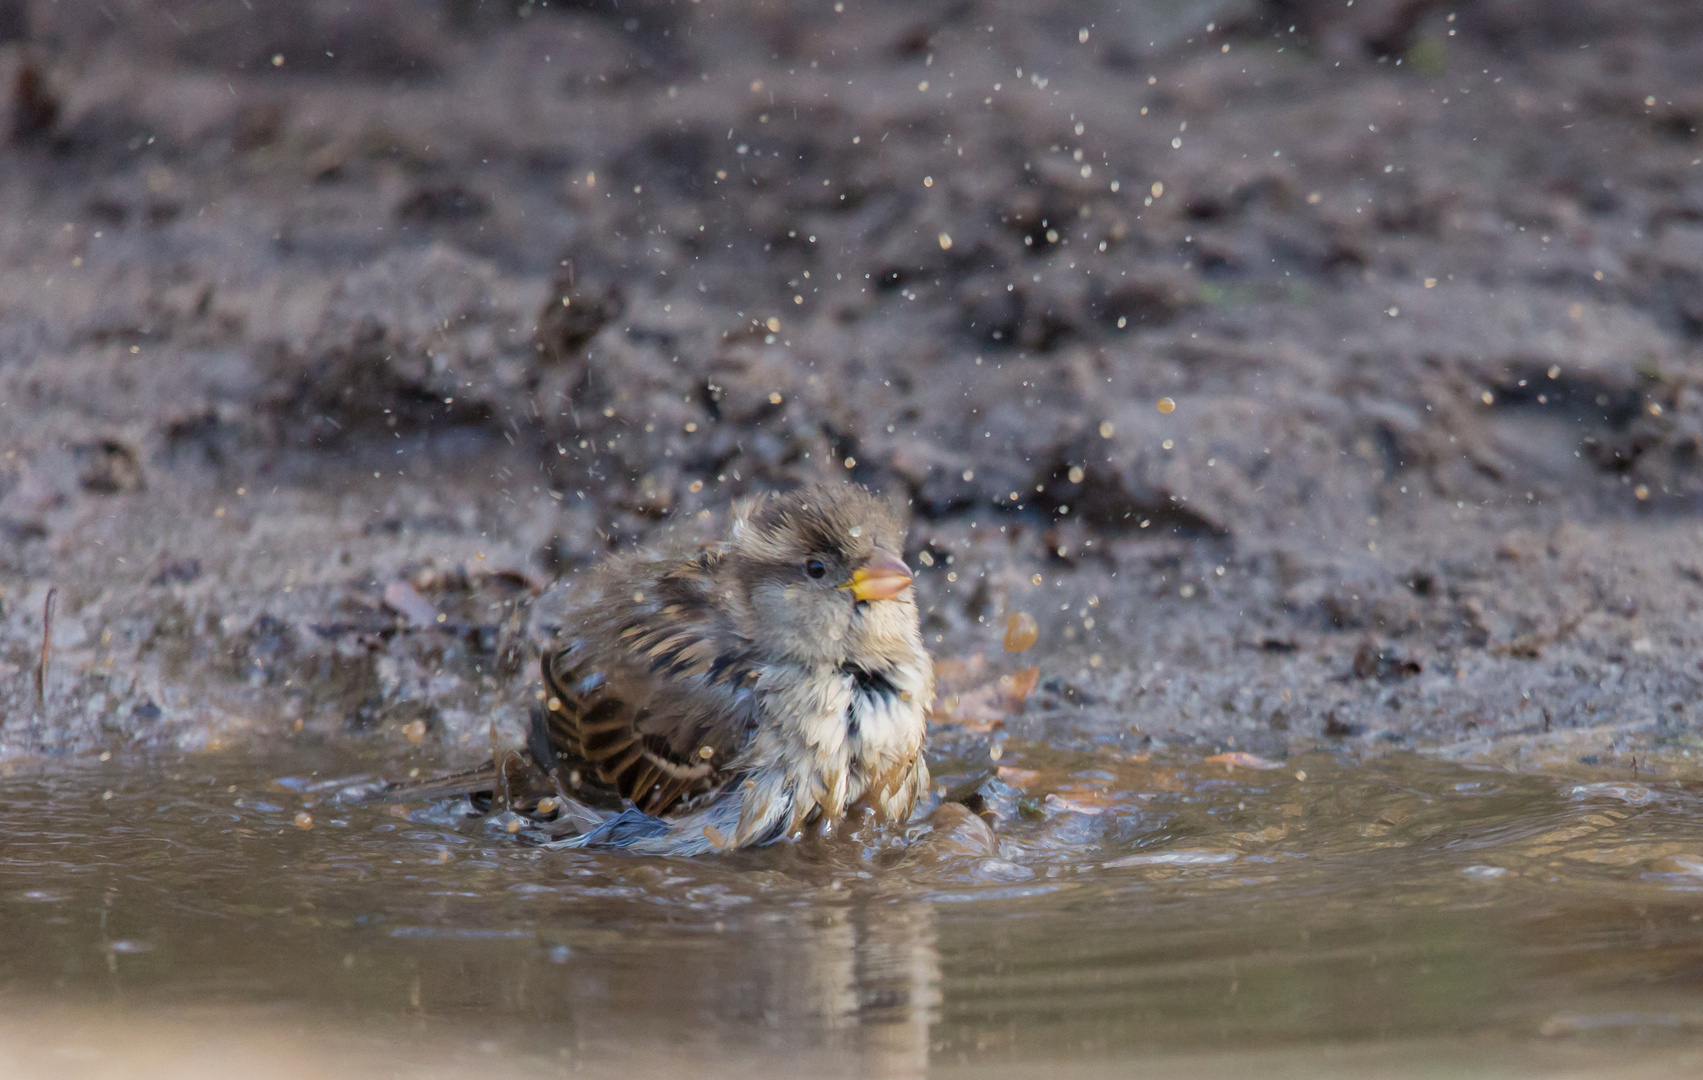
(881,577)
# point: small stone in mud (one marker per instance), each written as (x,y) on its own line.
(1371,662)
(1338,728)
(304,820)
(35,108)
(449,202)
(177,572)
(580,307)
(1021,632)
(107,467)
(414,731)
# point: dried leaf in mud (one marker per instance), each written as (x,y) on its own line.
(987,706)
(1019,685)
(1238,759)
(958,672)
(405,600)
(1018,778)
(1082,802)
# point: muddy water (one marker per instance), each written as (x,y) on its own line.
(1405,916)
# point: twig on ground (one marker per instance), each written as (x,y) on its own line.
(46,646)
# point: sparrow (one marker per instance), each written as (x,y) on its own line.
(738,694)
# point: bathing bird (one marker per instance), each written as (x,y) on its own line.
(741,692)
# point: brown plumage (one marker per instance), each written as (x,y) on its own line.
(774,680)
(736,694)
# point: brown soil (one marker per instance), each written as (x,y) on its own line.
(319,321)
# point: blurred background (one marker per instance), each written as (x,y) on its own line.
(1307,371)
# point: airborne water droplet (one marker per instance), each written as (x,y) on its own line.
(1021,632)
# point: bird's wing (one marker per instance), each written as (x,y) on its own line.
(650,693)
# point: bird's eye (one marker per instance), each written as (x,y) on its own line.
(815,567)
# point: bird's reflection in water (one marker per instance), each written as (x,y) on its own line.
(849,987)
(870,975)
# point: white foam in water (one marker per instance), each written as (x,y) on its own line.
(1172,858)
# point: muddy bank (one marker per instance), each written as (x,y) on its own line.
(329,339)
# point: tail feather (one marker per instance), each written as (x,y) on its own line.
(716,827)
(620,831)
(483,780)
(510,781)
(722,825)
(538,741)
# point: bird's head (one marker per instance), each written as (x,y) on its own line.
(821,570)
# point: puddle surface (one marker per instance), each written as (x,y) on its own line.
(1134,909)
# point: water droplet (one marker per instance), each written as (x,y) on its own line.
(1021,632)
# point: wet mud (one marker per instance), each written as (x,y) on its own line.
(1312,377)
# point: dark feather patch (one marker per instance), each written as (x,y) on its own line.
(646,687)
(874,684)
